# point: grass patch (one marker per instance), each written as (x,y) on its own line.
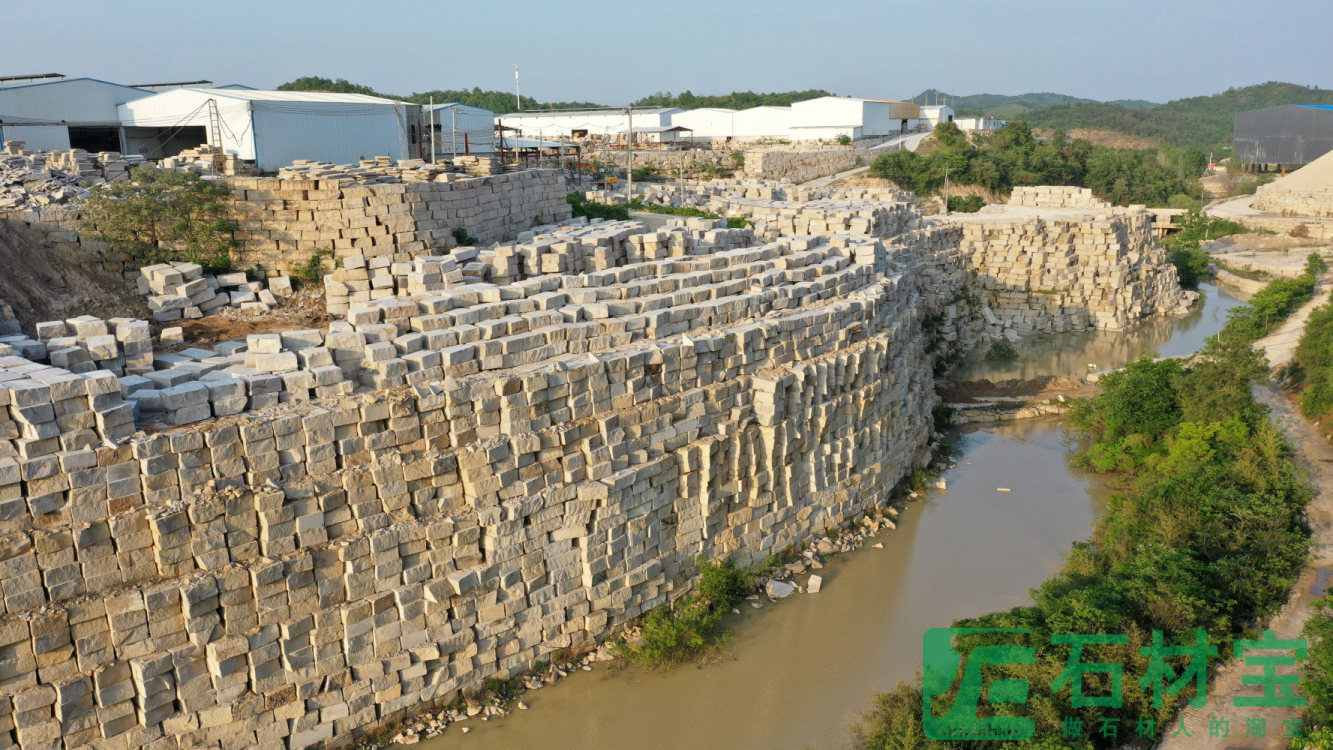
(592,210)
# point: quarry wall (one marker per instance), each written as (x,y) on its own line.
(492,454)
(285,576)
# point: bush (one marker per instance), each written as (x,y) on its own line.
(690,627)
(844,140)
(462,237)
(161,215)
(312,271)
(1001,351)
(965,204)
(1317,669)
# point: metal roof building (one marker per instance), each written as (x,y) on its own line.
(272,128)
(1287,134)
(68,113)
(461,129)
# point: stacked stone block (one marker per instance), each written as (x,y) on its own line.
(1056,196)
(1049,274)
(285,222)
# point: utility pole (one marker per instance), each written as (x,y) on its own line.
(518,99)
(432,130)
(629,158)
(453,131)
(946,191)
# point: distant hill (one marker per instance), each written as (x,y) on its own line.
(1202,121)
(1011,107)
(734,100)
(497,101)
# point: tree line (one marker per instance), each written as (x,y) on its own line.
(1014,156)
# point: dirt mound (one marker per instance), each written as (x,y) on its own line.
(46,279)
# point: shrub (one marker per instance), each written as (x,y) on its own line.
(1300,231)
(1317,668)
(161,215)
(1001,351)
(312,271)
(844,140)
(596,210)
(738,159)
(462,237)
(965,204)
(686,629)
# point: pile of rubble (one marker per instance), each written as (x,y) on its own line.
(34,179)
(183,290)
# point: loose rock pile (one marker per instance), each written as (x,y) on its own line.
(37,179)
(183,290)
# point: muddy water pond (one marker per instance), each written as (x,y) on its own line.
(796,674)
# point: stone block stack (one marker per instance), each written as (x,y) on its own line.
(1056,273)
(284,222)
(178,291)
(1056,196)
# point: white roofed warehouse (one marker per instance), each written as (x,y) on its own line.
(67,113)
(273,128)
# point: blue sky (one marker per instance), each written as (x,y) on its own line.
(612,52)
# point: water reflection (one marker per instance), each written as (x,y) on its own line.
(1069,354)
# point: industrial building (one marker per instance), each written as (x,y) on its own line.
(934,114)
(822,118)
(461,129)
(66,113)
(272,128)
(607,124)
(1285,135)
(979,124)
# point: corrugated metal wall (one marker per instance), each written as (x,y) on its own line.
(1288,134)
(342,133)
(49,137)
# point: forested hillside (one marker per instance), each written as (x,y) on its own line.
(1202,121)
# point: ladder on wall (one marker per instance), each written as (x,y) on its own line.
(215,135)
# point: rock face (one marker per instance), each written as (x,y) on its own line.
(444,487)
(1050,270)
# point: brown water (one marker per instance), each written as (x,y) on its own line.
(797,673)
(1071,354)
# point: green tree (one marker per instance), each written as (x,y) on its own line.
(161,215)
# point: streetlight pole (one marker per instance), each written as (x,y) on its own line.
(629,158)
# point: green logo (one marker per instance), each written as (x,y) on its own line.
(940,662)
(1170,670)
